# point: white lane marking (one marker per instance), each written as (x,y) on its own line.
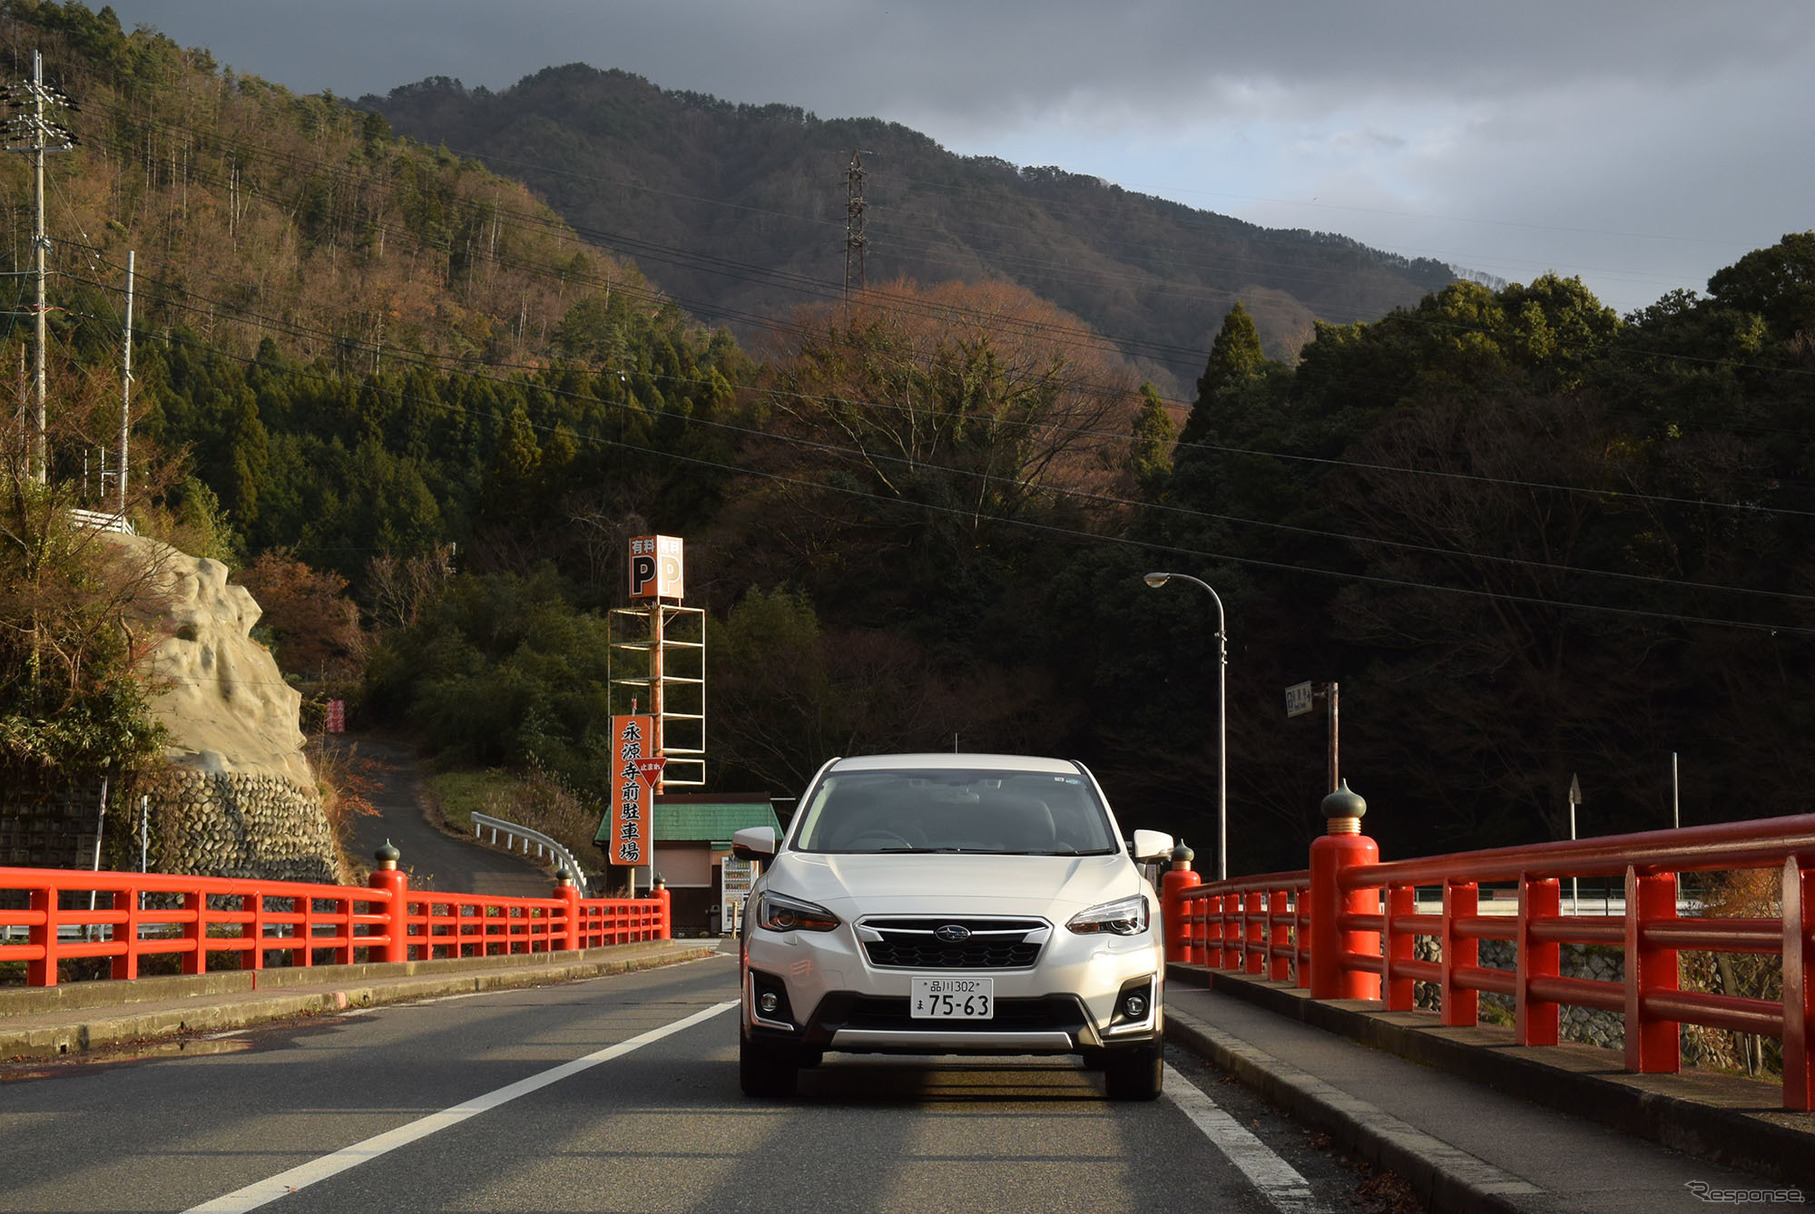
(306,1174)
(1278,1181)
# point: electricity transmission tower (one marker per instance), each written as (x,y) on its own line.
(853,223)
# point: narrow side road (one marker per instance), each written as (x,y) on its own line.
(433,858)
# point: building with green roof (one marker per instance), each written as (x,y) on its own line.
(692,833)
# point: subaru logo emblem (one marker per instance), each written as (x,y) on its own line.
(952,933)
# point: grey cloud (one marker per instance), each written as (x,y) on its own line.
(858,59)
(1644,141)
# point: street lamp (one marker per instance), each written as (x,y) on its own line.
(1156,580)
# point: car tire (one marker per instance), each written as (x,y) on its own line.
(766,1070)
(1134,1074)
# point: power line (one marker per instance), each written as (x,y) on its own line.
(1051,332)
(1028,524)
(1051,329)
(749,272)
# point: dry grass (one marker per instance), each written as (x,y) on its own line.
(533,799)
(346,783)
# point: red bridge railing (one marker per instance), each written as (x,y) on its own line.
(213,923)
(1347,927)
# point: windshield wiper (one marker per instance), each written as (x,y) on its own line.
(930,851)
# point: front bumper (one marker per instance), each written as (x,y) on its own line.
(830,998)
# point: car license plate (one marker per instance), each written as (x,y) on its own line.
(953,998)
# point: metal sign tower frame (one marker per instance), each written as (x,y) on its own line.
(658,651)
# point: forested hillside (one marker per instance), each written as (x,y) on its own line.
(337,326)
(418,415)
(739,213)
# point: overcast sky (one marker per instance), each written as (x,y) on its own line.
(1640,144)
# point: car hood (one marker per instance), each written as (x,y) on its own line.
(1054,886)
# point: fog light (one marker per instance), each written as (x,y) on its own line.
(1136,1006)
(767,1002)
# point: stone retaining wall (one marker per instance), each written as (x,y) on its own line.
(1586,1024)
(237,824)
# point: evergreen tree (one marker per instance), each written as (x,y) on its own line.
(1150,443)
(1235,358)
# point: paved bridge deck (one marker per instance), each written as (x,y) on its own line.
(1474,1122)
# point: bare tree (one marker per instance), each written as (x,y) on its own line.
(970,401)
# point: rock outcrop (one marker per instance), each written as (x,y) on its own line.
(238,799)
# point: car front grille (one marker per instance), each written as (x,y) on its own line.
(987,943)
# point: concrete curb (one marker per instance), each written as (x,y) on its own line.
(1446,1178)
(36,1000)
(51,1030)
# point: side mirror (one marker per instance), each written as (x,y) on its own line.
(1149,845)
(758,843)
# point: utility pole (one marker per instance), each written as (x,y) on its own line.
(1575,883)
(1329,691)
(29,130)
(853,223)
(126,383)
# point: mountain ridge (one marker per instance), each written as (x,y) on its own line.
(738,212)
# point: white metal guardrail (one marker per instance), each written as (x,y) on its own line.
(100,520)
(545,847)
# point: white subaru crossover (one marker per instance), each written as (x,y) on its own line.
(952,904)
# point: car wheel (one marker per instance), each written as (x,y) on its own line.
(1134,1074)
(765,1070)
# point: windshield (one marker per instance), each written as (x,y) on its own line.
(1012,812)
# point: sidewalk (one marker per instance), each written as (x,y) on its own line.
(1473,1122)
(39,1022)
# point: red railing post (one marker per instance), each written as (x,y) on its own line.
(1798,985)
(569,894)
(1301,938)
(1536,1021)
(1254,948)
(1401,900)
(195,961)
(1342,848)
(1461,1006)
(1207,932)
(387,876)
(1651,1041)
(1279,936)
(126,965)
(1235,930)
(1175,908)
(42,970)
(304,931)
(256,927)
(665,901)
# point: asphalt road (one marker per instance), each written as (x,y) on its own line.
(433,858)
(621,1094)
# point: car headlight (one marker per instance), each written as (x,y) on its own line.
(780,913)
(1123,917)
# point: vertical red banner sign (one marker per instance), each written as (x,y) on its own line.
(632,798)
